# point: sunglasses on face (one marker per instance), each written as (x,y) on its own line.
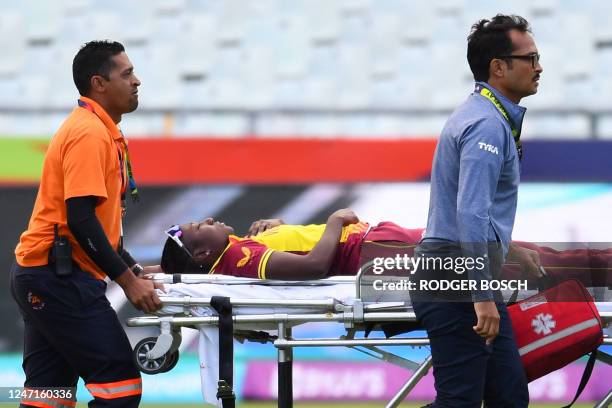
(533,57)
(175,233)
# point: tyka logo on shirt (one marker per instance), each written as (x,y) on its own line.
(488,147)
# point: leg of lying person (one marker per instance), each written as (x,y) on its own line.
(506,383)
(72,329)
(459,355)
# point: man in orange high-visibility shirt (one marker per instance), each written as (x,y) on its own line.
(73,242)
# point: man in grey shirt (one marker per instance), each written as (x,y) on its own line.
(474,186)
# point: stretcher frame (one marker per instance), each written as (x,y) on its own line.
(355,317)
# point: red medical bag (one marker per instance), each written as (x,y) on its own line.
(555,327)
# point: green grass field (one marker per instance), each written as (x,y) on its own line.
(370,405)
(323,405)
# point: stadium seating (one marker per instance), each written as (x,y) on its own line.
(382,61)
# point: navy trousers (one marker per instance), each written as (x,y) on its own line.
(70,331)
(466,370)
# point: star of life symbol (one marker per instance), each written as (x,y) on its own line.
(543,323)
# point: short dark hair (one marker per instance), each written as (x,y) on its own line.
(94,58)
(489,39)
(175,260)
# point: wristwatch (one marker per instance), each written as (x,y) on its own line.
(137,269)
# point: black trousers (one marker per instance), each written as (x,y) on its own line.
(72,331)
(466,370)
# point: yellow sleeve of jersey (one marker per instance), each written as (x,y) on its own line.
(263,263)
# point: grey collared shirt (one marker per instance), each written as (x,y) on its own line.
(475,176)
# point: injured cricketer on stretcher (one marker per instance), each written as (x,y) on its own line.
(275,250)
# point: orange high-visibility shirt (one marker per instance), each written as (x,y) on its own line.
(83,159)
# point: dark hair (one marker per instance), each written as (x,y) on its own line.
(175,260)
(94,58)
(489,39)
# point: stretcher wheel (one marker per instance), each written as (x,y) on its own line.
(172,361)
(159,365)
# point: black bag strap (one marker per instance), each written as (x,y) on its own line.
(225,391)
(544,282)
(586,375)
(513,298)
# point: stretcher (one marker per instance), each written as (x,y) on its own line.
(280,306)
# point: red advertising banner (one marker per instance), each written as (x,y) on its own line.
(267,161)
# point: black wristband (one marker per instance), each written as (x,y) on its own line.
(127,258)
